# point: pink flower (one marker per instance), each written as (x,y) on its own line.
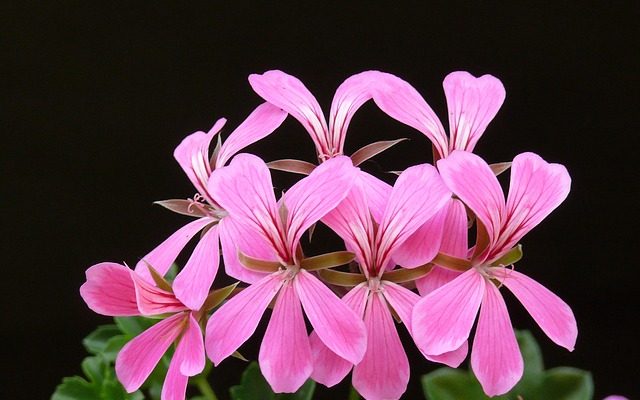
(194,280)
(417,196)
(442,320)
(114,290)
(271,232)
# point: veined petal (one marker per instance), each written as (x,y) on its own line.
(329,368)
(226,331)
(349,97)
(337,325)
(139,357)
(495,359)
(472,104)
(551,313)
(315,195)
(190,349)
(175,383)
(438,276)
(258,125)
(109,290)
(471,179)
(245,191)
(423,245)
(443,319)
(152,300)
(193,156)
(384,370)
(235,237)
(165,254)
(417,195)
(402,102)
(285,354)
(451,359)
(536,189)
(290,94)
(401,299)
(192,284)
(377,194)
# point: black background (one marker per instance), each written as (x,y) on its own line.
(96,96)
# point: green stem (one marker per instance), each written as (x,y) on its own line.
(353,395)
(204,387)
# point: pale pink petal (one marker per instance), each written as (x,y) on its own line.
(329,368)
(349,97)
(495,359)
(190,350)
(351,220)
(451,359)
(175,384)
(166,253)
(471,179)
(152,300)
(472,104)
(235,237)
(315,195)
(417,195)
(192,284)
(377,194)
(536,189)
(401,299)
(109,290)
(285,355)
(193,156)
(423,245)
(139,357)
(550,312)
(402,102)
(337,325)
(258,125)
(245,191)
(236,320)
(384,370)
(443,319)
(287,92)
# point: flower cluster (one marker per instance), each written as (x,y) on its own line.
(406,246)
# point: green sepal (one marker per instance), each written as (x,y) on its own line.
(328,260)
(218,296)
(511,257)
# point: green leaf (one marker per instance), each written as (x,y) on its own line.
(451,384)
(96,341)
(566,383)
(304,393)
(253,386)
(530,352)
(133,326)
(93,368)
(74,388)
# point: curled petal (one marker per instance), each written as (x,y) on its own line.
(190,350)
(451,359)
(153,300)
(109,290)
(285,354)
(496,360)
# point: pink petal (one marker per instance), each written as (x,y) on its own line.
(139,357)
(438,276)
(245,191)
(287,92)
(443,319)
(471,179)
(451,359)
(349,97)
(329,368)
(192,284)
(417,195)
(423,245)
(165,254)
(552,314)
(175,384)
(193,156)
(259,124)
(472,104)
(337,325)
(496,360)
(377,194)
(401,299)
(235,237)
(226,331)
(109,290)
(384,370)
(191,349)
(285,354)
(152,300)
(536,189)
(402,102)
(315,195)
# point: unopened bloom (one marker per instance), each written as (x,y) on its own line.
(442,320)
(270,232)
(194,280)
(417,196)
(115,290)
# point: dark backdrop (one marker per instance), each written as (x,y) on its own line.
(97,96)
